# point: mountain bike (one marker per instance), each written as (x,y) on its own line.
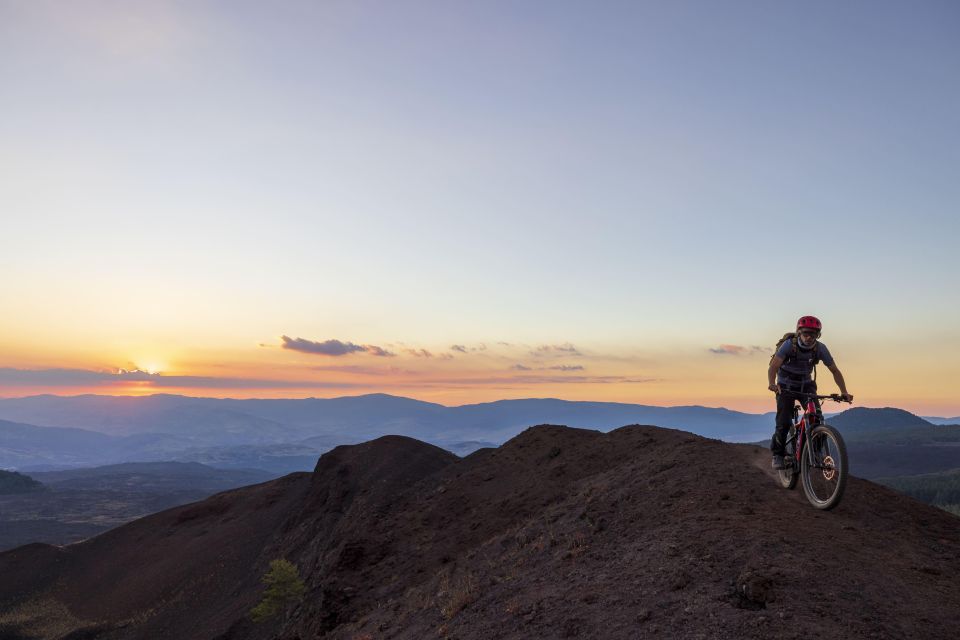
(815,453)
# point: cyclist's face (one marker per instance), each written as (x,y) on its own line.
(808,337)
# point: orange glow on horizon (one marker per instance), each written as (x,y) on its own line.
(682,376)
(759,403)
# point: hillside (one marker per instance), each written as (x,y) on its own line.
(640,532)
(940,489)
(872,420)
(80,503)
(16,483)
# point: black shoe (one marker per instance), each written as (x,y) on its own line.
(778,463)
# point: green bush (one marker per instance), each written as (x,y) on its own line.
(284,589)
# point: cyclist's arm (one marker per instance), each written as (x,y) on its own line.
(838,378)
(775,364)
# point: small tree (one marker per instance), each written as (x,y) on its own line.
(284,589)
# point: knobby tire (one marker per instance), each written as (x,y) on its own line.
(823,467)
(788,477)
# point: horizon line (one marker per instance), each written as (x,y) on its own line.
(390,395)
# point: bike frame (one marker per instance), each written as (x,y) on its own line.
(811,418)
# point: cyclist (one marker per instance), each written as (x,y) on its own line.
(791,373)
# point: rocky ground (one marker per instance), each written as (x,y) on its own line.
(640,532)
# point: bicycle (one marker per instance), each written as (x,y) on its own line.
(815,452)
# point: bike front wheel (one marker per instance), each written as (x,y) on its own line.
(823,467)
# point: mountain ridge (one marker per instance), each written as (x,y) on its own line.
(558,532)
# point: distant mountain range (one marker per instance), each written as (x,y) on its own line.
(280,436)
(49,432)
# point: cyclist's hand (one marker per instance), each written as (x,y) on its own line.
(776,388)
(846,397)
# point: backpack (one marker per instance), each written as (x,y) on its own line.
(792,337)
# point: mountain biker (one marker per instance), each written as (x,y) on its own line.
(791,373)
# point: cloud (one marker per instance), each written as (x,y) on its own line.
(332,347)
(326,348)
(86,378)
(736,350)
(524,379)
(563,349)
(110,381)
(419,353)
(458,347)
(559,367)
(354,369)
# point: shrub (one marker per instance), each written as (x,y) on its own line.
(284,589)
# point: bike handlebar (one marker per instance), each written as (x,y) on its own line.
(836,397)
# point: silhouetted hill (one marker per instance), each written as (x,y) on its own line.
(864,420)
(640,532)
(891,442)
(12,482)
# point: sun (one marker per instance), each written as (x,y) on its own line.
(152,368)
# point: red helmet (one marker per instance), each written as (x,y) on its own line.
(809,322)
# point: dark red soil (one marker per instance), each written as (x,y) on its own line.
(641,532)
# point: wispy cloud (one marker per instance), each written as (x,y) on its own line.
(360,370)
(736,350)
(332,347)
(523,380)
(458,347)
(553,349)
(558,367)
(87,378)
(418,353)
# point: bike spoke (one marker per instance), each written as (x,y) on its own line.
(822,478)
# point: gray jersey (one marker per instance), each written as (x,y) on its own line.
(797,369)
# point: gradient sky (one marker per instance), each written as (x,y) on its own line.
(622,201)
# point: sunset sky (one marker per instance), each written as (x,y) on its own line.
(468,201)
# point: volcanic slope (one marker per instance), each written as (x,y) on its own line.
(640,532)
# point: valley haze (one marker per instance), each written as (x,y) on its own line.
(49,432)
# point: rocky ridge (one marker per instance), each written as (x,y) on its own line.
(560,532)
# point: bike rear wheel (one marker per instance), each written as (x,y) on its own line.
(823,467)
(787,477)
